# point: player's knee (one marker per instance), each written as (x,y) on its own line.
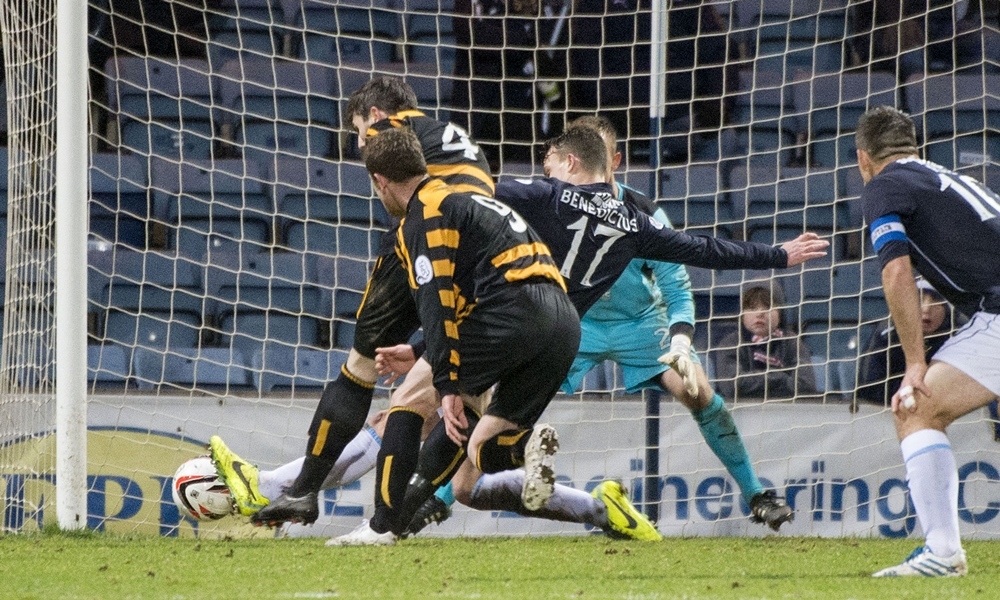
(462,485)
(344,404)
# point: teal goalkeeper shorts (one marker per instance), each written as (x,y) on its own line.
(634,345)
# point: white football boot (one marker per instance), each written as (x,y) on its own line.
(539,466)
(924,563)
(364,535)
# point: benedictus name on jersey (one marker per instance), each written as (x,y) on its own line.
(603,206)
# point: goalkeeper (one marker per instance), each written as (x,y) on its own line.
(645,323)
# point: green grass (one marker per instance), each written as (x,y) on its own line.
(105,566)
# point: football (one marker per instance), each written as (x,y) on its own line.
(199,492)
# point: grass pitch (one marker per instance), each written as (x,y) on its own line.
(70,566)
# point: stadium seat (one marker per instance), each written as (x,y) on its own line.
(279,107)
(108,364)
(967,150)
(276,365)
(190,369)
(944,104)
(830,105)
(246,328)
(119,199)
(694,196)
(343,275)
(247,29)
(163,106)
(780,205)
(210,205)
(833,102)
(333,34)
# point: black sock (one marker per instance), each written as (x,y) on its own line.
(504,451)
(397,461)
(439,460)
(339,417)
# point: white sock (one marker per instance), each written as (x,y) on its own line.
(502,491)
(933,480)
(358,458)
(273,483)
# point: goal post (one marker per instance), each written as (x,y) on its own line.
(229,227)
(71,198)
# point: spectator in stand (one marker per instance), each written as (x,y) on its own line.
(902,37)
(882,365)
(509,73)
(763,359)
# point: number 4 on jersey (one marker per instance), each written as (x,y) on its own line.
(456,138)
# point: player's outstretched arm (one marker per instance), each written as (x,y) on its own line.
(805,247)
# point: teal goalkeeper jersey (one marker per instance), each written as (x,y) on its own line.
(647,287)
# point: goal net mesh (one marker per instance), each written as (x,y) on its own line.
(232,228)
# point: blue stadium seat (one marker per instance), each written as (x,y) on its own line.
(209,205)
(764,118)
(190,369)
(346,275)
(338,33)
(245,328)
(345,307)
(833,102)
(108,364)
(248,28)
(265,90)
(695,196)
(780,205)
(119,199)
(965,150)
(944,104)
(163,106)
(276,365)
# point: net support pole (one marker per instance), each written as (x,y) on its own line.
(657,106)
(71,263)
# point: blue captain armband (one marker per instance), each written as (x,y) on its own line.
(887,229)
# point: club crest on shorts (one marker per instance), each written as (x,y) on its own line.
(422,270)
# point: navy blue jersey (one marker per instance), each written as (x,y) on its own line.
(593,235)
(945,222)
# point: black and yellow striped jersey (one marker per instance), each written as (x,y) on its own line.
(460,249)
(450,154)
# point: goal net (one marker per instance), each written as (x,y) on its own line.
(232,228)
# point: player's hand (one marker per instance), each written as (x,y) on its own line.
(805,247)
(678,358)
(454,418)
(911,388)
(394,361)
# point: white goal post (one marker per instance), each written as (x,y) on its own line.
(188,230)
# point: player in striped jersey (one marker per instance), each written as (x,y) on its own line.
(494,311)
(387,316)
(946,226)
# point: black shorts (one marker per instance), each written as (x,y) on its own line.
(388,315)
(524,340)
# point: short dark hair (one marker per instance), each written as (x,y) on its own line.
(388,94)
(598,123)
(884,131)
(395,154)
(586,144)
(757,297)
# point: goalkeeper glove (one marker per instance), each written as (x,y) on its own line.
(679,359)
